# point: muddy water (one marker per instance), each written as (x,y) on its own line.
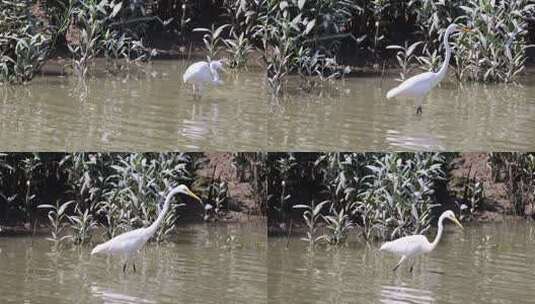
(145,109)
(149,109)
(492,263)
(204,264)
(357,116)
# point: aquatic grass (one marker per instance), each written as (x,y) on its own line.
(82,225)
(91,21)
(118,191)
(338,225)
(24,42)
(495,50)
(30,55)
(380,195)
(213,40)
(405,56)
(401,189)
(473,195)
(99,34)
(218,195)
(57,217)
(316,70)
(239,47)
(285,30)
(312,216)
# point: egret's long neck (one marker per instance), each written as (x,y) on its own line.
(444,69)
(439,233)
(154,226)
(215,75)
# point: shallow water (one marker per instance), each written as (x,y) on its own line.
(491,263)
(204,264)
(149,109)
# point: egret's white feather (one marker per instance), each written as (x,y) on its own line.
(417,87)
(415,245)
(129,243)
(414,87)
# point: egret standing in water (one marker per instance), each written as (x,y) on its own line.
(417,87)
(415,245)
(201,73)
(129,243)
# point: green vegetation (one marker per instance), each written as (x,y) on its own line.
(386,195)
(23,47)
(312,38)
(81,194)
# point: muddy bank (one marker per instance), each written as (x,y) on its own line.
(241,204)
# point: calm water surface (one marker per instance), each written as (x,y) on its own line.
(150,109)
(204,264)
(493,263)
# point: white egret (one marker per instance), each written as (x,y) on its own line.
(129,243)
(415,245)
(417,87)
(201,73)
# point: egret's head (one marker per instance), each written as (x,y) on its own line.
(217,65)
(185,190)
(451,216)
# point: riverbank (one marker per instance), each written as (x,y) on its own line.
(361,41)
(475,187)
(59,192)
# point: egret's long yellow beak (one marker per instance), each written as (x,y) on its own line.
(457,223)
(195,197)
(466,29)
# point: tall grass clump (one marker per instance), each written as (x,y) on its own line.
(496,49)
(380,195)
(283,31)
(24,42)
(86,197)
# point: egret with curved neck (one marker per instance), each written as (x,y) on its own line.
(201,73)
(129,243)
(417,87)
(415,245)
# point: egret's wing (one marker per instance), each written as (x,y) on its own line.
(414,87)
(199,71)
(118,244)
(409,245)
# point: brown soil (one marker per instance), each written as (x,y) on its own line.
(476,166)
(241,204)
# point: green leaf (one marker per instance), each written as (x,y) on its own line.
(64,206)
(116,9)
(47,206)
(310,26)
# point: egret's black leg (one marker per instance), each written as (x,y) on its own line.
(419,110)
(412,267)
(400,261)
(124,267)
(134,266)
